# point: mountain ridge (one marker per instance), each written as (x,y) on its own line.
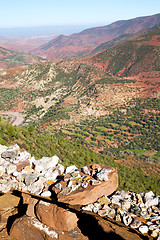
(79,44)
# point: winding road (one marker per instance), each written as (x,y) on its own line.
(17,118)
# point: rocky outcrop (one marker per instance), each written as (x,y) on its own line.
(56,217)
(91,187)
(58,203)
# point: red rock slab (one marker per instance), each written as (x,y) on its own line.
(23,229)
(84,196)
(56,217)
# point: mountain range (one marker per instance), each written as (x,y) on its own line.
(79,44)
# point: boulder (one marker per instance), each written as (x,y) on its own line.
(95,189)
(56,217)
(30,228)
(8,207)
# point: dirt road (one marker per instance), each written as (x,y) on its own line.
(17,118)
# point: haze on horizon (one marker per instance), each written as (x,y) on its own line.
(38,17)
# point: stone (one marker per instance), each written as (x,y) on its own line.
(148,195)
(89,207)
(11,169)
(11,152)
(126,204)
(60,169)
(104,201)
(23,156)
(70,169)
(30,178)
(2,170)
(136,223)
(127,219)
(152,202)
(52,175)
(155,233)
(31,202)
(143,229)
(8,207)
(102,212)
(103,174)
(30,228)
(90,194)
(112,213)
(22,165)
(56,217)
(85,170)
(46,194)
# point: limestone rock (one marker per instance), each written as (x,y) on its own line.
(11,152)
(56,217)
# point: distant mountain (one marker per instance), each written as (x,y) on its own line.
(121,39)
(79,44)
(9,59)
(133,57)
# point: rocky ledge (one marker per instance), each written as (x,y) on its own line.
(53,201)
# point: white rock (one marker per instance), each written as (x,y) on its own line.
(60,168)
(152,202)
(5,187)
(136,223)
(96,207)
(11,169)
(103,174)
(148,196)
(155,233)
(112,213)
(2,148)
(71,169)
(46,194)
(85,170)
(126,204)
(51,175)
(75,186)
(22,156)
(127,219)
(143,229)
(88,207)
(2,170)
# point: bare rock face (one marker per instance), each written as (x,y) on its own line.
(56,217)
(104,181)
(8,204)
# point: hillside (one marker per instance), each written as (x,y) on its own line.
(10,59)
(134,57)
(71,152)
(121,39)
(80,44)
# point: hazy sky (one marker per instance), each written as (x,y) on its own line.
(26,13)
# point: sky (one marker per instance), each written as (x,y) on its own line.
(30,13)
